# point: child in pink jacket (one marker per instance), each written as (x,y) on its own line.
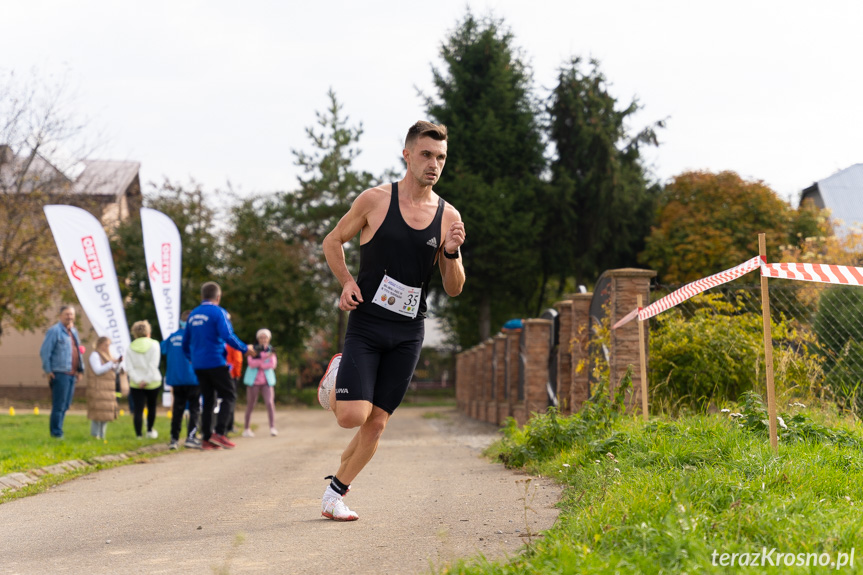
(260,379)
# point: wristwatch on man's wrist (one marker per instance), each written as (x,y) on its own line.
(449,256)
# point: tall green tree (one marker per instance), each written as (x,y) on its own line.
(266,280)
(328,185)
(494,160)
(189,208)
(599,204)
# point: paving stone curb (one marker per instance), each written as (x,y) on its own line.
(14,481)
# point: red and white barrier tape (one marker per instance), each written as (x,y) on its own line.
(689,290)
(825,273)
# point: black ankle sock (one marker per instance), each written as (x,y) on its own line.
(337,485)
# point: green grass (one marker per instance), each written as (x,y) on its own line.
(26,444)
(661,497)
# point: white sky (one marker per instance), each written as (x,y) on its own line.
(221,91)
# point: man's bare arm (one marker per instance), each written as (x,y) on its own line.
(452,270)
(348,227)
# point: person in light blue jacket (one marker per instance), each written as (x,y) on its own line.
(63,364)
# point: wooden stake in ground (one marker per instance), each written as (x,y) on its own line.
(768,345)
(643,361)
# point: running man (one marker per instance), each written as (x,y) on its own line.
(405,229)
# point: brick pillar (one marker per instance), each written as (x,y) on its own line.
(512,360)
(499,380)
(489,412)
(626,284)
(474,385)
(580,313)
(564,356)
(537,343)
(478,404)
(461,382)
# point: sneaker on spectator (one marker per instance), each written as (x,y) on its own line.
(328,382)
(210,445)
(193,443)
(334,508)
(174,444)
(248,433)
(273,431)
(222,441)
(152,434)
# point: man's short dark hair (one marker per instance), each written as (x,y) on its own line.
(425,129)
(66,306)
(210,290)
(185,315)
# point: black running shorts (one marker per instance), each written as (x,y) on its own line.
(378,360)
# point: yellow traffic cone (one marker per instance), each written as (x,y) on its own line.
(11,410)
(36,410)
(122,413)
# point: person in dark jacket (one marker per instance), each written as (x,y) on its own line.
(207,331)
(181,378)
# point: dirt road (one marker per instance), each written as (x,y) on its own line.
(426,498)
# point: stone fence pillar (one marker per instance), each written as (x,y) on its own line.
(513,361)
(499,361)
(564,356)
(626,284)
(537,340)
(489,408)
(579,359)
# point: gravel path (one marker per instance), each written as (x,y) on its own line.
(426,498)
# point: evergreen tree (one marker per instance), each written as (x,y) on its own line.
(327,188)
(494,159)
(599,202)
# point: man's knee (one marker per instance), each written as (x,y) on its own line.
(374,426)
(349,415)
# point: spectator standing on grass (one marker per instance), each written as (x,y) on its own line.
(145,379)
(102,388)
(184,386)
(260,379)
(207,332)
(63,363)
(235,364)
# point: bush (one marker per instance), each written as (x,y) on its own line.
(716,354)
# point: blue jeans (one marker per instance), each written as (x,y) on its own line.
(62,390)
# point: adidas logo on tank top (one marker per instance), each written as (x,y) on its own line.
(432,242)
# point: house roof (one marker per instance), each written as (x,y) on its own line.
(842,194)
(106,177)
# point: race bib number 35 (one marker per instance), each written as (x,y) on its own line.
(397,297)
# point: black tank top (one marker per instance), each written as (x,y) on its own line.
(401,252)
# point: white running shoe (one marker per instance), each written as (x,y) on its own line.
(334,508)
(152,434)
(328,382)
(273,431)
(248,433)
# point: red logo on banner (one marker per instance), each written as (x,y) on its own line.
(166,263)
(76,268)
(92,257)
(154,272)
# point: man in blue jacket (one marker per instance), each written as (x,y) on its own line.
(181,378)
(207,331)
(62,363)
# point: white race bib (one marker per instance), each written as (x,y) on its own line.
(397,297)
